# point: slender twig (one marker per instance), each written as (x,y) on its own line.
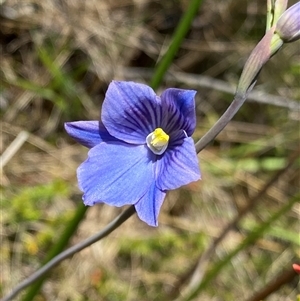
(13,148)
(71,251)
(274,285)
(249,239)
(259,96)
(197,81)
(200,267)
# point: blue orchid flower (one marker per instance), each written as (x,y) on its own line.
(141,148)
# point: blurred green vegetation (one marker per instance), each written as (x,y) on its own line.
(28,203)
(57,61)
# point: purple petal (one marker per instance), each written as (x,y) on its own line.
(130,111)
(178,107)
(288,25)
(178,166)
(88,133)
(116,174)
(148,207)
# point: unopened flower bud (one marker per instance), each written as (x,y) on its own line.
(288,25)
(258,57)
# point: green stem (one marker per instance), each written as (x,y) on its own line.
(180,32)
(250,239)
(57,248)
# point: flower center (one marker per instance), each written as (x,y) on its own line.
(158,141)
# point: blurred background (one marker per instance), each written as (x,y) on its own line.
(57,59)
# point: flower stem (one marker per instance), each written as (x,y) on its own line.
(40,274)
(237,102)
(57,248)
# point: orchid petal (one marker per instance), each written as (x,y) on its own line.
(178,166)
(148,207)
(130,111)
(116,174)
(178,107)
(88,133)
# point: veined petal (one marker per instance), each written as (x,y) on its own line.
(116,174)
(130,111)
(288,25)
(178,107)
(178,166)
(88,133)
(147,208)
